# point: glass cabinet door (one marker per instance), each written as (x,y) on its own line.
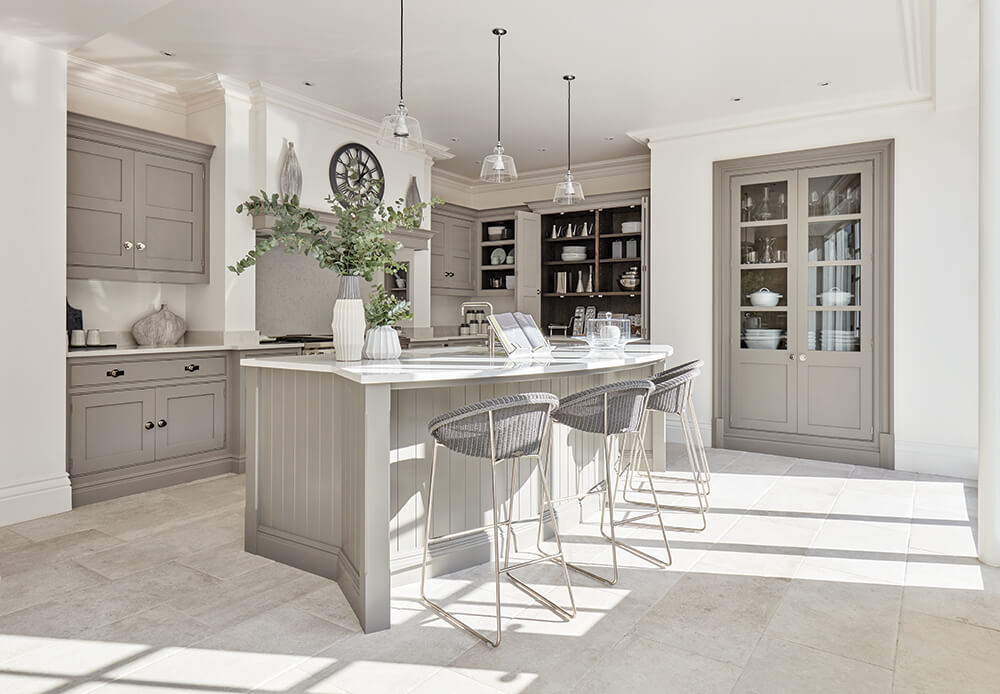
(762,300)
(834,301)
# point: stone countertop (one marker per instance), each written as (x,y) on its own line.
(129,350)
(464,364)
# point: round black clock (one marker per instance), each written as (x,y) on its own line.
(355,172)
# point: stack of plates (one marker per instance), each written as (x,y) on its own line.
(762,338)
(839,341)
(574,253)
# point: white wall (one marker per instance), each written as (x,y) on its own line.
(33,480)
(935,255)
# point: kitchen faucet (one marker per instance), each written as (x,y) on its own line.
(491,338)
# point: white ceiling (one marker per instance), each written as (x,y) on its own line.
(640,64)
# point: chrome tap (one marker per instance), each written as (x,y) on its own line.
(491,337)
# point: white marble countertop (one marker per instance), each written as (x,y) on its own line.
(128,350)
(464,364)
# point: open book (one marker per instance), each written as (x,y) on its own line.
(517,332)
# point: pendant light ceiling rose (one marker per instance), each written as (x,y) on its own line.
(568,191)
(400,130)
(497,166)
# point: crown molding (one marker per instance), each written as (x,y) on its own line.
(263,93)
(109,80)
(887,100)
(917,34)
(638,163)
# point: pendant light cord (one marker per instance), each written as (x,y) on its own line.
(569,122)
(498,87)
(401,51)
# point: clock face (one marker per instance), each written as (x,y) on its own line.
(355,172)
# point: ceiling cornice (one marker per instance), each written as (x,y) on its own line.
(916,29)
(638,163)
(124,85)
(263,93)
(902,98)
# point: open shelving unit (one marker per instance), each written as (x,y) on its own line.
(492,278)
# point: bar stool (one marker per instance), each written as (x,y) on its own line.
(673,395)
(505,428)
(616,412)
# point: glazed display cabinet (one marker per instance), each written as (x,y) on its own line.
(804,307)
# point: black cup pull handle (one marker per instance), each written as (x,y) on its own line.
(115,373)
(191,368)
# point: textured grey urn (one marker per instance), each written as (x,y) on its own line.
(164,327)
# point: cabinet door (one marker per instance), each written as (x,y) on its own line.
(169,214)
(763,373)
(439,271)
(458,260)
(111,430)
(528,264)
(836,304)
(99,223)
(190,419)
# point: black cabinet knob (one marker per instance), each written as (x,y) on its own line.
(148,426)
(161,423)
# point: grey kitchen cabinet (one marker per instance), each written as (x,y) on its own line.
(803,307)
(111,430)
(136,204)
(190,419)
(451,249)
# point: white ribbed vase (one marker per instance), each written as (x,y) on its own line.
(382,343)
(348,321)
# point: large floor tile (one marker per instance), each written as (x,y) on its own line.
(719,616)
(853,620)
(963,592)
(44,583)
(79,545)
(783,667)
(946,656)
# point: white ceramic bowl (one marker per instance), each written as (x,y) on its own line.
(835,297)
(764,297)
(762,342)
(495,233)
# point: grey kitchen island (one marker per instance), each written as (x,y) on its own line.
(338,459)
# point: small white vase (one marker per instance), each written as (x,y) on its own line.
(382,343)
(348,321)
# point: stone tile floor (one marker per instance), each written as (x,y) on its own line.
(811,577)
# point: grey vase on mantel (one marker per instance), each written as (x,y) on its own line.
(161,328)
(290,179)
(348,324)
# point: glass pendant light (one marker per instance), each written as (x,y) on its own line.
(568,191)
(400,130)
(497,166)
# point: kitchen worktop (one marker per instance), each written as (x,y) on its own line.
(129,350)
(417,366)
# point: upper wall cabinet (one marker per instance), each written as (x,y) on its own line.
(136,204)
(451,249)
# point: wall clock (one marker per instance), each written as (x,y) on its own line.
(355,172)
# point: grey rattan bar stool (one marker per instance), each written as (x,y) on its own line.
(672,395)
(614,411)
(504,428)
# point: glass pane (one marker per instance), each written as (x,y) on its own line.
(764,287)
(830,195)
(764,244)
(834,331)
(836,285)
(834,241)
(760,202)
(764,330)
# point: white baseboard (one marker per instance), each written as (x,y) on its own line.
(30,500)
(937,459)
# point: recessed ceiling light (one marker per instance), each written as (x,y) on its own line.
(478,161)
(168,54)
(543,149)
(308,83)
(453,139)
(736,99)
(824,83)
(609,139)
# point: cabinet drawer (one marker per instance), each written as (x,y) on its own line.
(124,372)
